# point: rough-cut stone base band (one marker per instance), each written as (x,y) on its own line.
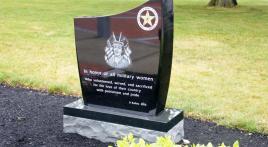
(111,132)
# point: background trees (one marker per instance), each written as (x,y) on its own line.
(223,3)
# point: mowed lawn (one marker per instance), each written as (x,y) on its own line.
(220,64)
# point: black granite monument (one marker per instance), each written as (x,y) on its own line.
(124,64)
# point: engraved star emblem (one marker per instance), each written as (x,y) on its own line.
(147,19)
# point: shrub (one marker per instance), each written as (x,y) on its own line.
(130,141)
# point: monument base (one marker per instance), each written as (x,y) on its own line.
(109,125)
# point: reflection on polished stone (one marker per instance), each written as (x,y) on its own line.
(134,43)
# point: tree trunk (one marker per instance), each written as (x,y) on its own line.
(223,3)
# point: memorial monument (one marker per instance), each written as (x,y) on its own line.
(124,64)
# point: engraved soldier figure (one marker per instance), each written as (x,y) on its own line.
(117,52)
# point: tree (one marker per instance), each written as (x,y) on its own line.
(223,3)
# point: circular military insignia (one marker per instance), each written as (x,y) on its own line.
(147,19)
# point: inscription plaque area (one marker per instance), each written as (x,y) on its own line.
(124,64)
(125,60)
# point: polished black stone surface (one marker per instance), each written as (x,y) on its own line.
(163,122)
(125,60)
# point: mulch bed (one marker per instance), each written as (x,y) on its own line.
(32,118)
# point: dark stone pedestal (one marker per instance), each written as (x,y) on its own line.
(108,124)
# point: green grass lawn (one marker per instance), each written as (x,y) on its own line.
(220,64)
